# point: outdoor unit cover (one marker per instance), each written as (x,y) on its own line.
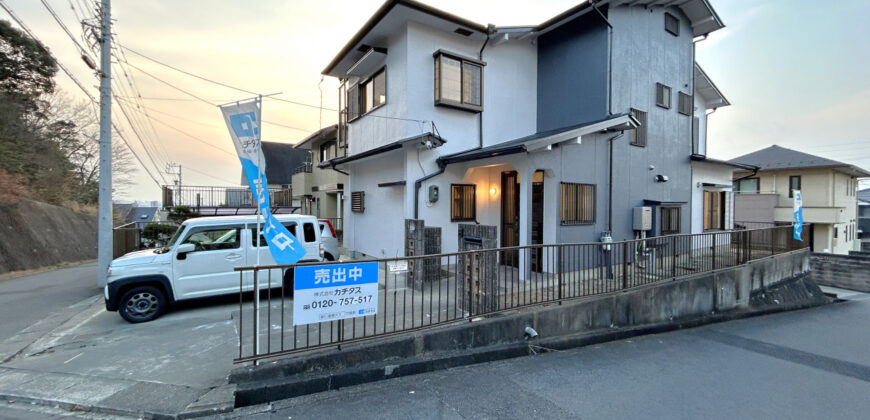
(642,218)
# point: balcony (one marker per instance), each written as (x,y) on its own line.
(812,214)
(220,201)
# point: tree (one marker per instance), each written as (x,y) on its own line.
(26,66)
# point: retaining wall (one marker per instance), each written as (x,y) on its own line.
(36,234)
(771,284)
(845,271)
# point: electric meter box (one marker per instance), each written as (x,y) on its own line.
(642,218)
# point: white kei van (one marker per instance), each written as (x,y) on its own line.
(199,261)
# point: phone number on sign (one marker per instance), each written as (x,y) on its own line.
(328,303)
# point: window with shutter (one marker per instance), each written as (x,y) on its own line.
(672,24)
(637,137)
(663,96)
(670,220)
(463,202)
(685,104)
(578,204)
(358,201)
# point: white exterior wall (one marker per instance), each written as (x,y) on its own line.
(700,113)
(712,174)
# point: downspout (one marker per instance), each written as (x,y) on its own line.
(610,185)
(609,59)
(490,29)
(418,183)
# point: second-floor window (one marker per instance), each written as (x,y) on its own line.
(458,82)
(747,186)
(327,151)
(367,95)
(663,96)
(794,183)
(637,137)
(684,104)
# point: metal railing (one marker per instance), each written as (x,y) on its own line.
(235,197)
(303,168)
(430,290)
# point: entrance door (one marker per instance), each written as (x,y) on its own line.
(537,220)
(510,217)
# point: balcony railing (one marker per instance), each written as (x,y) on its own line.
(221,197)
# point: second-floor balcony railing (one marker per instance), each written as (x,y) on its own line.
(304,168)
(205,196)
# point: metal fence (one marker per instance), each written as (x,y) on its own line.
(444,288)
(205,196)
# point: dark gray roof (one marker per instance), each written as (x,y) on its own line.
(324,134)
(141,214)
(776,157)
(281,160)
(864,195)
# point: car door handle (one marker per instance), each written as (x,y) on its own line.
(234,257)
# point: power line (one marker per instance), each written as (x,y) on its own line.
(82,50)
(208,175)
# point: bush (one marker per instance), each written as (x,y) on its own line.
(179,214)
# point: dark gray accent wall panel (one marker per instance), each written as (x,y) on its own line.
(572,73)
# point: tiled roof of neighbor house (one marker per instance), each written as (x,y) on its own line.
(325,133)
(776,157)
(123,209)
(141,214)
(281,160)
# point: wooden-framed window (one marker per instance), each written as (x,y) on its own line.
(367,96)
(714,210)
(663,96)
(684,103)
(794,183)
(578,204)
(637,137)
(463,202)
(672,24)
(671,220)
(358,201)
(458,82)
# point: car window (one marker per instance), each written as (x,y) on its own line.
(291,226)
(308,230)
(214,238)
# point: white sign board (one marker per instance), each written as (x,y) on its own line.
(331,292)
(398,266)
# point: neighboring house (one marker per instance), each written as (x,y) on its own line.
(320,189)
(141,216)
(530,129)
(828,187)
(281,160)
(712,195)
(864,219)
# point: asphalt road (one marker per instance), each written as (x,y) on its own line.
(806,364)
(26,300)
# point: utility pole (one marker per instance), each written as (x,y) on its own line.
(105,220)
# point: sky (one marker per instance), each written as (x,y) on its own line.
(794,72)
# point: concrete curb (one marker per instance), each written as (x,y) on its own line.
(270,388)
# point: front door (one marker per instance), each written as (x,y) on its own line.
(510,217)
(209,269)
(537,220)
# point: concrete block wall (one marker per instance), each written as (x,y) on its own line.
(845,271)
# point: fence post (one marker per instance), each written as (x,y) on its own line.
(674,256)
(771,230)
(625,265)
(714,250)
(559,268)
(256,334)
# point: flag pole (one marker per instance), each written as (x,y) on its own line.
(257,234)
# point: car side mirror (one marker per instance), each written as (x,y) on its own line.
(183,249)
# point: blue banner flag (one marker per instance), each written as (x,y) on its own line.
(798,214)
(243,120)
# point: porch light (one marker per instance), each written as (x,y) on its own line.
(493,190)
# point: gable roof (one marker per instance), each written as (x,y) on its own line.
(701,15)
(708,90)
(281,160)
(776,157)
(325,133)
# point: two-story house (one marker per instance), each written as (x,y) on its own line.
(864,219)
(320,190)
(712,194)
(829,189)
(553,132)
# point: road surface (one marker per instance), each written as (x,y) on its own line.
(807,364)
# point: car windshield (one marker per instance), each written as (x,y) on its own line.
(172,240)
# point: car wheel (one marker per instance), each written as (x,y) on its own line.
(142,304)
(328,257)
